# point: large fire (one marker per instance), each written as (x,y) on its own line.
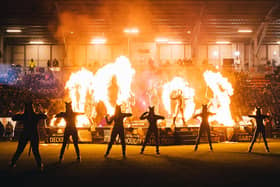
(220,103)
(86,90)
(175,84)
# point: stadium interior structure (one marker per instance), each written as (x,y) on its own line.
(225,53)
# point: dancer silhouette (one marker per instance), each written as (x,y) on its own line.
(259,128)
(204,126)
(152,118)
(30,133)
(70,130)
(118,129)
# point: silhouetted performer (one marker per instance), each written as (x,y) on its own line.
(70,130)
(259,128)
(179,106)
(118,129)
(152,118)
(2,129)
(204,126)
(30,133)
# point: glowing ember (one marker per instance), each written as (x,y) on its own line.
(220,103)
(176,84)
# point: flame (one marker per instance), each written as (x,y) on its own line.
(86,89)
(176,84)
(124,74)
(220,103)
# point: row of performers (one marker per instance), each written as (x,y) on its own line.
(30,131)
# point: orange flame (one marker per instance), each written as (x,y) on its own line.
(220,103)
(176,84)
(84,83)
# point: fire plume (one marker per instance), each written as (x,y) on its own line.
(87,89)
(176,84)
(220,103)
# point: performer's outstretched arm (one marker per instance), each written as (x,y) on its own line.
(252,116)
(195,116)
(159,117)
(143,116)
(60,115)
(109,121)
(17,117)
(127,114)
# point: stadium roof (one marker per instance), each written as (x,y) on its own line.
(183,20)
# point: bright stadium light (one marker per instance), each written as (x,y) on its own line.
(278,42)
(161,40)
(98,41)
(13,30)
(222,42)
(174,42)
(237,53)
(245,30)
(131,30)
(36,42)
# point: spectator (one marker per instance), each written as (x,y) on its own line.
(49,64)
(55,63)
(1,129)
(9,130)
(32,65)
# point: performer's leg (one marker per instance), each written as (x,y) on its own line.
(209,137)
(264,139)
(75,141)
(155,131)
(256,133)
(122,138)
(148,135)
(65,140)
(113,137)
(35,149)
(21,145)
(176,114)
(183,118)
(198,137)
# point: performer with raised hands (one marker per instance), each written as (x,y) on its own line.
(152,119)
(204,126)
(260,128)
(70,130)
(118,129)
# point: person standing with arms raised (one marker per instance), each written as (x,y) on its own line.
(152,118)
(118,129)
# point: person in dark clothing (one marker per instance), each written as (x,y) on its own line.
(9,130)
(30,133)
(179,106)
(152,118)
(118,129)
(1,130)
(260,128)
(204,126)
(70,130)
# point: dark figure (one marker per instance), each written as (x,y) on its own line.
(152,118)
(1,130)
(30,133)
(259,128)
(179,106)
(118,129)
(204,126)
(70,130)
(9,130)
